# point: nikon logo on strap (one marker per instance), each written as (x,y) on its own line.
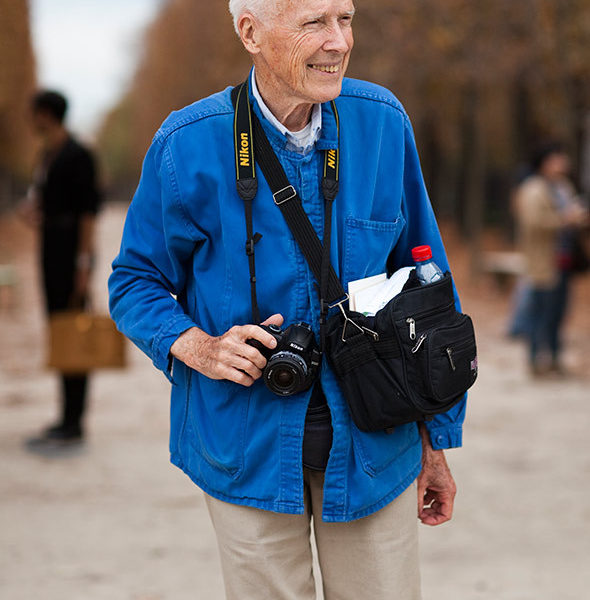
(244,150)
(332,159)
(244,143)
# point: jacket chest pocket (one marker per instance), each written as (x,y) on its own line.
(367,245)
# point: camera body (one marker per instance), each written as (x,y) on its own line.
(293,365)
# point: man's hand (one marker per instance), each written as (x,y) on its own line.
(227,356)
(436,486)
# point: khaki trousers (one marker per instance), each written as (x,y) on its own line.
(268,556)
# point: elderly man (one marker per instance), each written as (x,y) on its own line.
(181,290)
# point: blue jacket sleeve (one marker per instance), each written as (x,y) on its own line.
(150,271)
(421,228)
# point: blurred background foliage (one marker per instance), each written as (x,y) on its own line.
(17,83)
(483,83)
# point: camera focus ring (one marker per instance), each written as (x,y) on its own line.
(285,373)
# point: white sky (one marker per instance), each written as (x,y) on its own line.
(88,49)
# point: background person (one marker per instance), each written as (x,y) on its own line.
(180,289)
(548,215)
(63,200)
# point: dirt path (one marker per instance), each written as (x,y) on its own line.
(114,521)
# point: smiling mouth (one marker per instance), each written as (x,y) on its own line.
(325,68)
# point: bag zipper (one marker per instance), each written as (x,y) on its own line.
(420,342)
(449,352)
(411,321)
(465,343)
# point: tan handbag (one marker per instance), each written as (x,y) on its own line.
(80,342)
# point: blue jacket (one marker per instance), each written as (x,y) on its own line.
(182,263)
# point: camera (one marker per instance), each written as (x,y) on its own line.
(292,366)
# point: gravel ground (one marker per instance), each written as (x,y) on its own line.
(115,521)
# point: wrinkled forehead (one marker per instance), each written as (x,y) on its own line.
(292,8)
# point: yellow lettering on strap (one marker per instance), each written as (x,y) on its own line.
(244,150)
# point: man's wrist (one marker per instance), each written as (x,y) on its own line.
(188,343)
(427,447)
(424,435)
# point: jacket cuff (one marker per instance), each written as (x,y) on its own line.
(442,438)
(163,341)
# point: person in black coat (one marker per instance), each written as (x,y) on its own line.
(64,199)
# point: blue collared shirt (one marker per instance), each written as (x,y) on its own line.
(182,263)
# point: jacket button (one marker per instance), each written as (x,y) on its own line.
(440,439)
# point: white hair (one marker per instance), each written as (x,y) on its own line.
(259,8)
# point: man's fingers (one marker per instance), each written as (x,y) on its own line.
(276,319)
(252,354)
(253,332)
(428,498)
(435,509)
(247,366)
(235,345)
(235,375)
(435,516)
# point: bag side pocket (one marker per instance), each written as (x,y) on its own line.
(452,360)
(442,365)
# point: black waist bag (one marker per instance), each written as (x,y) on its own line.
(414,359)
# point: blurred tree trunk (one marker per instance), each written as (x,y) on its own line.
(473,173)
(522,130)
(17,82)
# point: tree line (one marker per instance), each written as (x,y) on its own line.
(483,82)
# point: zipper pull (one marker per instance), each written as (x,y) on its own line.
(412,323)
(451,361)
(419,344)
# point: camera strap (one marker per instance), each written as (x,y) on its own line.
(246,182)
(252,145)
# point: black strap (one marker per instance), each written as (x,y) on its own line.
(250,138)
(243,143)
(289,202)
(253,238)
(246,182)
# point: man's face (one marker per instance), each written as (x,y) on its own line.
(305,49)
(559,165)
(556,165)
(41,121)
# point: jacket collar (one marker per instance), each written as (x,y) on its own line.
(328,132)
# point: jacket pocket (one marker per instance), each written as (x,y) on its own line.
(378,450)
(367,245)
(216,423)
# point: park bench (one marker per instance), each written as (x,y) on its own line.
(503,266)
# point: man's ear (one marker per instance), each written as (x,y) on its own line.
(249,29)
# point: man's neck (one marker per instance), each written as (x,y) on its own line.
(293,115)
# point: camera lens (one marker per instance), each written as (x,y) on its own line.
(284,378)
(285,373)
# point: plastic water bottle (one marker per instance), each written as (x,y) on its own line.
(426,269)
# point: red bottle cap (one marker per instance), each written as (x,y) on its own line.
(421,253)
